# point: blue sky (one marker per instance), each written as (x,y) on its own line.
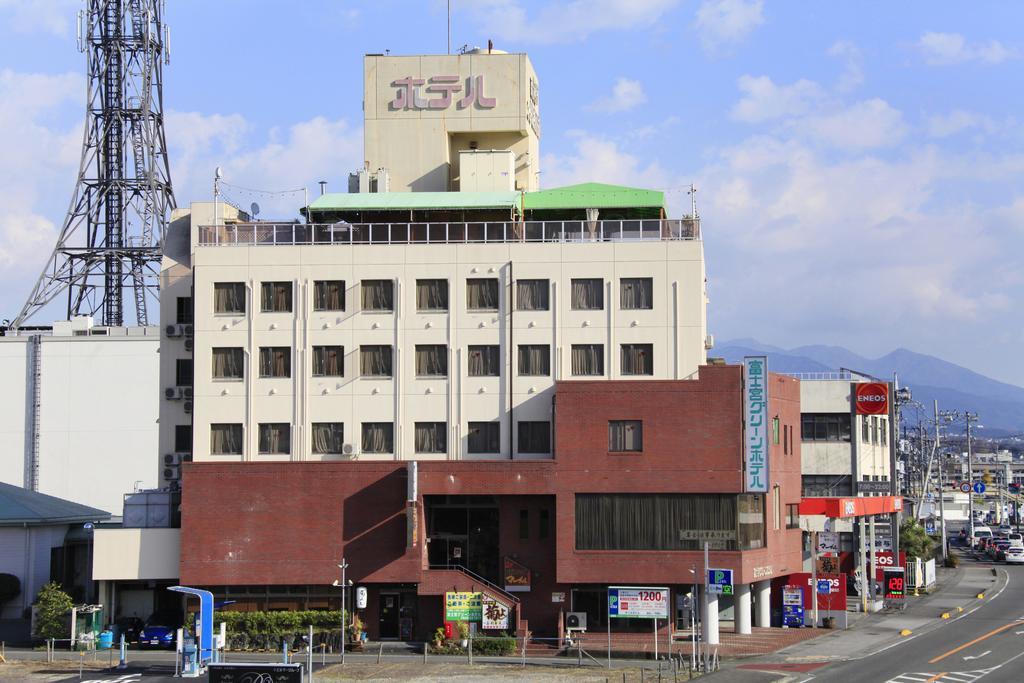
(858,164)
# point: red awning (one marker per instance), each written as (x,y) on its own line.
(851,507)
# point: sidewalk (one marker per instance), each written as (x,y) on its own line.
(868,634)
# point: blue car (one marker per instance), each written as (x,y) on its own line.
(160,631)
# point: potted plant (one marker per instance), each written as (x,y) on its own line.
(355,633)
(463,629)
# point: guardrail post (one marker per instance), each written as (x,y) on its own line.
(470,651)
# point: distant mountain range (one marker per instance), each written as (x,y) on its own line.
(999,405)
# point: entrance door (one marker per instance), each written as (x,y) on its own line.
(389,613)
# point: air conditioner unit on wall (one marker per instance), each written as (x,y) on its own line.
(172,473)
(188,406)
(172,459)
(349,450)
(576,621)
(173,331)
(187,330)
(172,393)
(189,344)
(186,392)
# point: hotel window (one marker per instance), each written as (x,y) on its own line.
(184,313)
(183,372)
(275,438)
(625,436)
(328,438)
(275,361)
(482,294)
(637,359)
(431,295)
(229,298)
(775,431)
(328,361)
(484,437)
(183,439)
(431,437)
(587,360)
(587,294)
(534,359)
(378,437)
(636,293)
(378,295)
(534,437)
(375,361)
(228,363)
(793,516)
(484,361)
(431,360)
(329,295)
(776,508)
(225,439)
(532,295)
(276,297)
(825,427)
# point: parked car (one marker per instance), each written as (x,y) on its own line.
(160,630)
(1015,555)
(1016,539)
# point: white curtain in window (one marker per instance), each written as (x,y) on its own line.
(225,439)
(625,435)
(587,294)
(328,438)
(275,361)
(484,361)
(431,437)
(431,360)
(228,363)
(532,295)
(229,297)
(276,297)
(587,359)
(432,295)
(377,437)
(375,360)
(378,295)
(637,360)
(275,438)
(534,359)
(329,295)
(482,293)
(328,361)
(636,293)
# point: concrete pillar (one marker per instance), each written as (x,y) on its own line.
(742,608)
(711,620)
(763,597)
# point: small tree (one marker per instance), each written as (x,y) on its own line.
(52,604)
(10,588)
(913,539)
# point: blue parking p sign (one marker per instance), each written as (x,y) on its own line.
(720,581)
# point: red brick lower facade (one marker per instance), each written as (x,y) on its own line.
(289,524)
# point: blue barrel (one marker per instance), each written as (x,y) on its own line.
(106,640)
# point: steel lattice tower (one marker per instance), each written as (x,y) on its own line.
(111,239)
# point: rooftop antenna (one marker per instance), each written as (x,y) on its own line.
(254,210)
(693,201)
(111,236)
(449,26)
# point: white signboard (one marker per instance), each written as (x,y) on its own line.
(828,542)
(638,603)
(756,420)
(494,615)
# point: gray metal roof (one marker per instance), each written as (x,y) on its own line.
(20,506)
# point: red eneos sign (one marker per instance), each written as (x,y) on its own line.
(872,398)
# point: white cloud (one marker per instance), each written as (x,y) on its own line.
(598,159)
(952,48)
(853,64)
(45,16)
(763,100)
(721,23)
(956,121)
(563,22)
(871,123)
(626,94)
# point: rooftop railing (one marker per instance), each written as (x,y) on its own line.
(820,376)
(272,234)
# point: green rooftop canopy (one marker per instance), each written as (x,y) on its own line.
(20,506)
(414,201)
(594,196)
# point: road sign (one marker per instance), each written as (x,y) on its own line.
(824,586)
(895,583)
(929,525)
(638,603)
(720,581)
(979,488)
(965,487)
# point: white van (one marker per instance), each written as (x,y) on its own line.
(980,532)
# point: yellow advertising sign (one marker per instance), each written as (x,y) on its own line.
(463,606)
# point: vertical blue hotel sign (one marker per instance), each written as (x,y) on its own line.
(756,423)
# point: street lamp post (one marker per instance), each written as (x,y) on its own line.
(343,585)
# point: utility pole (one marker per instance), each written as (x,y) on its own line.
(942,495)
(344,587)
(970,473)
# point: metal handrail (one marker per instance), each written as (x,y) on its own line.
(475,577)
(564,232)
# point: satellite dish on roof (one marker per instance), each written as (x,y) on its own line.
(254,209)
(218,173)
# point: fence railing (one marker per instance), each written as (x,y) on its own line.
(285,234)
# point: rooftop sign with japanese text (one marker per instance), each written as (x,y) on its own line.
(755,404)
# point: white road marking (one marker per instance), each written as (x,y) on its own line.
(986,652)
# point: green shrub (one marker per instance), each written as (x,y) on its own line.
(952,560)
(52,607)
(495,646)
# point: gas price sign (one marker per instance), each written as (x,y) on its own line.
(895,583)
